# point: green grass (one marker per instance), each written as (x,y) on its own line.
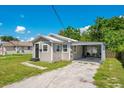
(11,69)
(110,74)
(51,66)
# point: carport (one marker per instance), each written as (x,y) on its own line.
(89,50)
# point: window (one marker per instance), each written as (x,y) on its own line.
(57,48)
(45,48)
(29,48)
(14,47)
(65,48)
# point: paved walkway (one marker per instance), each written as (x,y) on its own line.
(34,66)
(75,75)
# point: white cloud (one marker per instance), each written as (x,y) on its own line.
(121,16)
(38,34)
(30,39)
(84,29)
(28,32)
(22,40)
(20,29)
(22,16)
(18,37)
(1,23)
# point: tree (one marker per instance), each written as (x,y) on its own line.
(8,38)
(114,40)
(85,37)
(110,31)
(71,32)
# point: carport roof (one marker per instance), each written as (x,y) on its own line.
(87,43)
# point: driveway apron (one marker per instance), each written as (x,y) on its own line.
(75,75)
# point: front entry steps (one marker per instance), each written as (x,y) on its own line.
(35,59)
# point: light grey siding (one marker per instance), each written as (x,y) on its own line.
(78,53)
(65,56)
(57,56)
(10,48)
(61,55)
(21,50)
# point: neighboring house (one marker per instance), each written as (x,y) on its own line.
(14,47)
(55,47)
(1,48)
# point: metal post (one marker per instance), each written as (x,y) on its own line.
(102,52)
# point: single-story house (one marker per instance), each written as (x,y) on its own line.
(55,47)
(14,47)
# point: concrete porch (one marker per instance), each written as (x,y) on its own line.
(88,59)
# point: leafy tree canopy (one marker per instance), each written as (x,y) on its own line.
(71,33)
(110,31)
(8,38)
(107,30)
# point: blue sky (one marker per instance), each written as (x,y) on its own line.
(26,22)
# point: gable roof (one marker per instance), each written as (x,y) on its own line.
(62,38)
(54,38)
(17,43)
(51,39)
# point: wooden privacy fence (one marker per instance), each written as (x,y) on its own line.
(118,55)
(111,54)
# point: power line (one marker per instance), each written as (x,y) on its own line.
(58,17)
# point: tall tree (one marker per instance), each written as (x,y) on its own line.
(85,36)
(8,38)
(110,31)
(71,33)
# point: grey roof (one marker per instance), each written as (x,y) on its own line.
(87,43)
(51,39)
(62,38)
(17,43)
(54,38)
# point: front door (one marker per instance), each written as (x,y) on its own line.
(36,50)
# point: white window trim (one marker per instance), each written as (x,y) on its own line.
(63,48)
(43,49)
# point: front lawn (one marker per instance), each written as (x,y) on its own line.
(110,74)
(51,66)
(11,69)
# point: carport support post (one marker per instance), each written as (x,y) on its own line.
(102,52)
(69,49)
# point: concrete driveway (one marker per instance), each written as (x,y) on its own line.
(75,75)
